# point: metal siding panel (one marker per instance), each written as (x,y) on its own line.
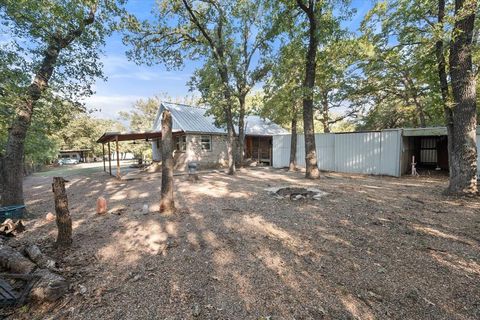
(358,152)
(361,152)
(325,145)
(281,151)
(390,153)
(301,150)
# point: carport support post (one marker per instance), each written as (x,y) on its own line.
(103,157)
(109,159)
(118,159)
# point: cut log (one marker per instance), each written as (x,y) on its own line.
(12,260)
(35,254)
(50,287)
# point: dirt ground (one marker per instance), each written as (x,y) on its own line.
(373,248)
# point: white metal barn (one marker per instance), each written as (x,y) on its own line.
(386,152)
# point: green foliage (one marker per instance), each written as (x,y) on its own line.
(142,115)
(337,57)
(33,24)
(229,37)
(41,145)
(140,119)
(83,131)
(400,78)
(283,93)
(30,27)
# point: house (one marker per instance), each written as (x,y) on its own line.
(198,139)
(387,152)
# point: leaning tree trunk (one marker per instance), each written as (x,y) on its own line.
(14,152)
(293,145)
(312,171)
(64,220)
(167,204)
(463,175)
(12,192)
(442,75)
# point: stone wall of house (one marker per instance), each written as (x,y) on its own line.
(206,159)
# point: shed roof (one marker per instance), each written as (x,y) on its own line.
(194,119)
(428,131)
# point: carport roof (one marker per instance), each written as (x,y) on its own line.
(127,136)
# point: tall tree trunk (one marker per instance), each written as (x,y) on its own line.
(14,151)
(231,142)
(64,220)
(167,204)
(463,175)
(241,130)
(227,109)
(325,117)
(293,145)
(442,75)
(312,171)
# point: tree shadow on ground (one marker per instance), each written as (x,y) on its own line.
(365,251)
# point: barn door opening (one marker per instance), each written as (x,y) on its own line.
(258,150)
(431,154)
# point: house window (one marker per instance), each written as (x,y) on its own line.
(181,143)
(206,143)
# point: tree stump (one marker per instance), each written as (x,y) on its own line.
(64,220)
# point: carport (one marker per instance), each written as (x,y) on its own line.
(108,137)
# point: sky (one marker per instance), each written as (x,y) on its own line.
(128,82)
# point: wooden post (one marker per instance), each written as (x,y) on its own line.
(64,221)
(103,157)
(109,159)
(118,158)
(167,205)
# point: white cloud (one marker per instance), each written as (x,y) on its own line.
(119,67)
(109,106)
(147,76)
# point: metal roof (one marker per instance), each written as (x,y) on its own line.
(428,131)
(73,150)
(194,119)
(126,136)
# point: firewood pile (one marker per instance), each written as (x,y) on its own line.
(10,228)
(28,274)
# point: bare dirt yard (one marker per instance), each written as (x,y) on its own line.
(373,248)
